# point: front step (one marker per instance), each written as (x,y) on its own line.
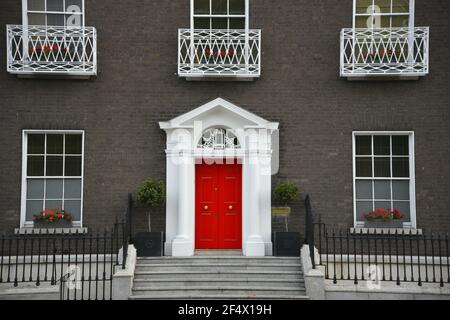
(218,277)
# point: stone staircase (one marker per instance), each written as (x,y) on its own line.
(206,277)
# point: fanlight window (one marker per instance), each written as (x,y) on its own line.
(219,139)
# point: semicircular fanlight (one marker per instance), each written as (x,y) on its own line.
(219,139)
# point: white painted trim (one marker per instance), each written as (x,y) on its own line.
(23,222)
(411,179)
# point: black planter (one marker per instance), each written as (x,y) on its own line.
(286,244)
(149,244)
(63,224)
(382,224)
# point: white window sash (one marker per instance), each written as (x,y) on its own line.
(412,188)
(411,13)
(23,222)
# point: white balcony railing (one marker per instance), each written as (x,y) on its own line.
(219,53)
(52,50)
(384,52)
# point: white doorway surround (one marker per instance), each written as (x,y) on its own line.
(251,145)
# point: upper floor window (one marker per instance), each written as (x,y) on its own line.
(52,173)
(67,13)
(383,13)
(384,178)
(219,14)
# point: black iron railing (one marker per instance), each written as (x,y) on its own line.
(395,255)
(309,230)
(82,264)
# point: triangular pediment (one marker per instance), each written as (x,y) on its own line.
(219,112)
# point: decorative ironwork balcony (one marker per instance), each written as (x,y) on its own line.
(385,52)
(51,50)
(219,53)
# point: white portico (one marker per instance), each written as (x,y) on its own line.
(219,131)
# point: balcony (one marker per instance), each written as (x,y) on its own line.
(48,50)
(230,54)
(389,52)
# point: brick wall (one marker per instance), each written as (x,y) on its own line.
(300,87)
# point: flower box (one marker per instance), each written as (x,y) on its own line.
(384,218)
(281,211)
(63,224)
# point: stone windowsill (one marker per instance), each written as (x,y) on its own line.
(52,231)
(386,231)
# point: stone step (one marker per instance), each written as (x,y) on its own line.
(219,267)
(203,296)
(237,275)
(142,282)
(216,260)
(216,290)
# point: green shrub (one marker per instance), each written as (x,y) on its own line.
(152,193)
(285,193)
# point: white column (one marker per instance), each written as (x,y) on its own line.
(183,244)
(255,246)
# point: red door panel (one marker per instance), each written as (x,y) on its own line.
(219,206)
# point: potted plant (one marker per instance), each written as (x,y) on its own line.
(286,244)
(54,218)
(151,195)
(382,218)
(284,195)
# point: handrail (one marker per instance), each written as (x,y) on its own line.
(309,230)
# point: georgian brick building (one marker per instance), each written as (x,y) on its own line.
(97,96)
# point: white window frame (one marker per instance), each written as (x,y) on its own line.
(412,177)
(245,16)
(25,12)
(411,13)
(28,224)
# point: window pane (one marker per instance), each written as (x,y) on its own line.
(219,6)
(363,208)
(382,167)
(382,205)
(400,167)
(364,167)
(35,166)
(55,143)
(55,5)
(54,166)
(364,145)
(400,190)
(72,189)
(77,3)
(400,145)
(35,189)
(363,22)
(404,208)
(74,209)
(36,19)
(36,144)
(384,5)
(33,208)
(400,21)
(74,143)
(54,189)
(382,145)
(237,6)
(53,204)
(202,23)
(364,190)
(55,20)
(73,167)
(400,6)
(382,190)
(201,6)
(219,23)
(236,23)
(36,5)
(363,5)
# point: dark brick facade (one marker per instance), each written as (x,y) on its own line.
(300,87)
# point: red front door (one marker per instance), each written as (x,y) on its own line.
(218,206)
